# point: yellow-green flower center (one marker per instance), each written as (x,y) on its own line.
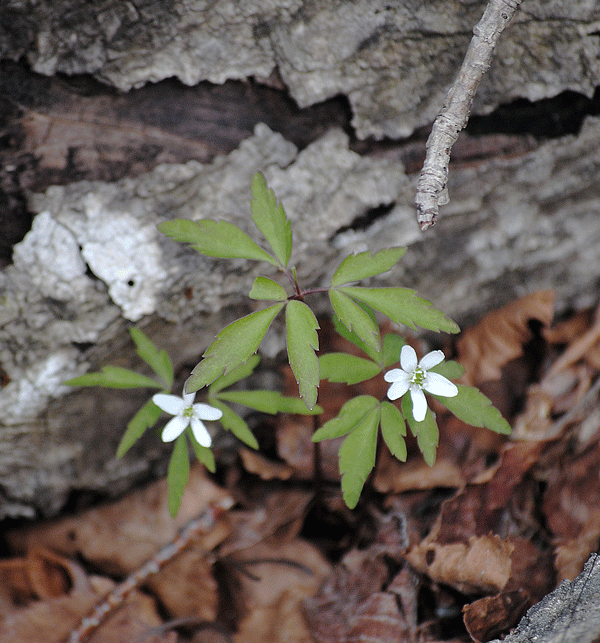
(418,376)
(188,412)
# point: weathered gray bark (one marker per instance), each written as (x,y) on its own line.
(569,613)
(394,60)
(94,262)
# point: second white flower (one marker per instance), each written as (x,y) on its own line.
(416,377)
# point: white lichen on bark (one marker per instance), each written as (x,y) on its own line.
(432,190)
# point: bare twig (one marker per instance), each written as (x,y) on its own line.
(432,190)
(204,523)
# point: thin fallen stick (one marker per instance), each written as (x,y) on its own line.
(432,189)
(206,521)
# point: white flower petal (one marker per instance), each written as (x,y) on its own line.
(200,433)
(170,403)
(408,359)
(174,427)
(431,359)
(419,403)
(206,412)
(394,374)
(439,385)
(398,389)
(188,398)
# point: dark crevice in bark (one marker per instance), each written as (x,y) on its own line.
(120,134)
(544,119)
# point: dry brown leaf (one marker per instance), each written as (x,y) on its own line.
(499,337)
(490,616)
(263,467)
(41,574)
(352,582)
(120,536)
(578,348)
(53,619)
(480,566)
(185,586)
(281,513)
(567,330)
(377,619)
(572,554)
(394,476)
(290,573)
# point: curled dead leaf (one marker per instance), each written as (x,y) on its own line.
(482,565)
(490,616)
(499,337)
(265,468)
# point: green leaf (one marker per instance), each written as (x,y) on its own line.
(216,239)
(357,456)
(392,345)
(271,402)
(350,416)
(234,345)
(393,429)
(452,370)
(204,454)
(350,369)
(157,360)
(296,406)
(146,417)
(235,375)
(114,377)
(265,288)
(271,220)
(364,265)
(403,306)
(426,432)
(302,342)
(234,423)
(178,474)
(361,327)
(474,408)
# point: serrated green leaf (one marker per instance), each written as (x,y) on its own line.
(178,474)
(157,360)
(360,326)
(350,369)
(234,345)
(114,377)
(450,369)
(216,239)
(393,429)
(364,265)
(426,432)
(302,342)
(350,415)
(403,306)
(474,408)
(237,374)
(357,456)
(234,423)
(271,402)
(204,454)
(271,220)
(392,345)
(146,417)
(265,288)
(296,406)
(262,401)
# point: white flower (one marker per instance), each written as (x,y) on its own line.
(415,378)
(186,412)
